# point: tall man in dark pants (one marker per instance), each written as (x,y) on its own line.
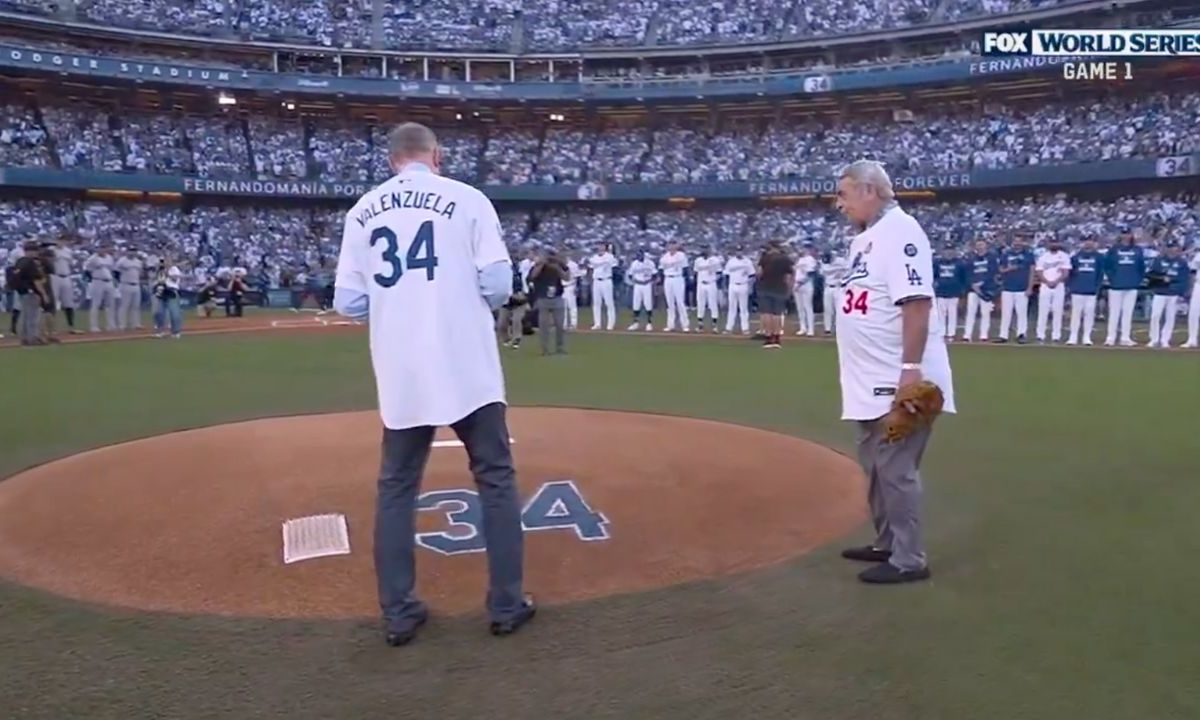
(423,259)
(546,284)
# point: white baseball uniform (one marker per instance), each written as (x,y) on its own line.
(1053,267)
(641,276)
(890,261)
(806,265)
(832,273)
(61,284)
(571,294)
(707,268)
(101,290)
(1193,338)
(601,265)
(524,267)
(414,247)
(129,299)
(674,287)
(739,269)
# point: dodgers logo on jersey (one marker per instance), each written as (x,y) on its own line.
(556,505)
(858,269)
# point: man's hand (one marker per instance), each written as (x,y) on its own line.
(909,377)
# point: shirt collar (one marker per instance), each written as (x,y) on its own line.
(416,167)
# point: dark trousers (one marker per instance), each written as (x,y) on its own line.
(484,433)
(551,312)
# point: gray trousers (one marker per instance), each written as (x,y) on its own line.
(484,433)
(508,326)
(29,328)
(551,315)
(893,471)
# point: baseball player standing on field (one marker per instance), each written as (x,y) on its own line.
(61,283)
(1173,269)
(802,292)
(1016,285)
(601,265)
(1193,338)
(887,339)
(738,269)
(983,272)
(423,258)
(1087,267)
(707,269)
(571,293)
(949,284)
(672,265)
(129,299)
(641,275)
(833,269)
(1053,269)
(100,289)
(1125,267)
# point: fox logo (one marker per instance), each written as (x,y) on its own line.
(1006,43)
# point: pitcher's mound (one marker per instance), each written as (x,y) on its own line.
(614,502)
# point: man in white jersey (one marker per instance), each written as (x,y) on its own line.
(802,293)
(571,292)
(524,267)
(1193,338)
(100,289)
(887,340)
(833,269)
(641,275)
(739,269)
(129,298)
(61,282)
(707,268)
(672,265)
(423,258)
(601,265)
(1053,268)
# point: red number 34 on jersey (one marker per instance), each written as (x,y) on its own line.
(855,301)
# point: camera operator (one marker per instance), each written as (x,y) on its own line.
(546,284)
(510,325)
(28,278)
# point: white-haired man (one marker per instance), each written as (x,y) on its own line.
(886,340)
(423,258)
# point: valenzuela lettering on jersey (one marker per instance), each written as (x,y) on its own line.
(405,200)
(556,505)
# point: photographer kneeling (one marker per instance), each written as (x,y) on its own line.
(546,284)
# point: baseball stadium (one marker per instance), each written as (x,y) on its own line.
(732,359)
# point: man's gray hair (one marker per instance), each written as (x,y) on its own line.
(410,138)
(870,172)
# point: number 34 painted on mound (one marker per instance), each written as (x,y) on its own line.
(555,506)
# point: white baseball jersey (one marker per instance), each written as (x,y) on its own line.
(1053,266)
(100,267)
(573,273)
(641,271)
(524,267)
(806,265)
(672,264)
(602,265)
(1195,266)
(62,260)
(891,261)
(834,271)
(739,270)
(130,269)
(706,269)
(414,246)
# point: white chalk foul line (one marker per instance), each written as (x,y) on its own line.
(458,443)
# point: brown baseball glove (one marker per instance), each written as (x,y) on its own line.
(915,406)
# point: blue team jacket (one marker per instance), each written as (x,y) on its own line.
(1015,266)
(984,269)
(1177,272)
(1086,270)
(950,277)
(1125,267)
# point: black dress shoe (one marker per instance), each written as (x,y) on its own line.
(398,638)
(888,574)
(867,553)
(524,615)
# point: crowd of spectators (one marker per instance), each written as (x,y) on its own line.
(544,24)
(274,241)
(1072,131)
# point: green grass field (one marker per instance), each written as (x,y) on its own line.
(1060,519)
